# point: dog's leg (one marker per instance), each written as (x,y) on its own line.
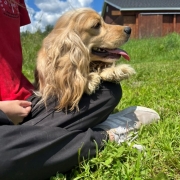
(93,83)
(117,73)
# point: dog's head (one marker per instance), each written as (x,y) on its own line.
(78,38)
(102,40)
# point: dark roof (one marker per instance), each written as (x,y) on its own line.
(145,4)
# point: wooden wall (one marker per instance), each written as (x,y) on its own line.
(150,26)
(144,24)
(177,28)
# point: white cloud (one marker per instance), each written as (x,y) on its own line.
(50,11)
(85,2)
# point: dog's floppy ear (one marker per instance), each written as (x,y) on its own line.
(63,66)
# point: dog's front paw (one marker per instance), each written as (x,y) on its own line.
(93,83)
(123,71)
(117,73)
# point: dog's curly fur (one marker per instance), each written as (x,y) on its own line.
(66,65)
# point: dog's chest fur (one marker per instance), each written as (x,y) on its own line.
(97,66)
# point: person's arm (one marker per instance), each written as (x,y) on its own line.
(15,110)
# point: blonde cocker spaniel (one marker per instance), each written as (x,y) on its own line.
(80,51)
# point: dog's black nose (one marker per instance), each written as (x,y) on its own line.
(127,30)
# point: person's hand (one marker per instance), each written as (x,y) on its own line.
(16,110)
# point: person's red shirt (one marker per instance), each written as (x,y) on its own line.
(13,84)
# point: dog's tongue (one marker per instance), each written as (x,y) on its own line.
(119,51)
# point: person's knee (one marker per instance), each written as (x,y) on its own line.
(113,91)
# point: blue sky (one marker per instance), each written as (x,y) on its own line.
(97,5)
(45,12)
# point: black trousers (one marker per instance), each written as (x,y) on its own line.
(48,141)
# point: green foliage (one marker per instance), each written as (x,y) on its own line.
(31,44)
(155,85)
(154,49)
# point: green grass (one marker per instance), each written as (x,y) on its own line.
(156,85)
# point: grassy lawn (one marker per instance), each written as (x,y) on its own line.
(156,85)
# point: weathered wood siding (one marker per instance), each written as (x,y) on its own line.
(111,17)
(144,24)
(178,23)
(150,26)
(167,24)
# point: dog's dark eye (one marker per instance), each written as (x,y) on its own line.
(97,25)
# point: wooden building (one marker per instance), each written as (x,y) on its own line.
(146,17)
